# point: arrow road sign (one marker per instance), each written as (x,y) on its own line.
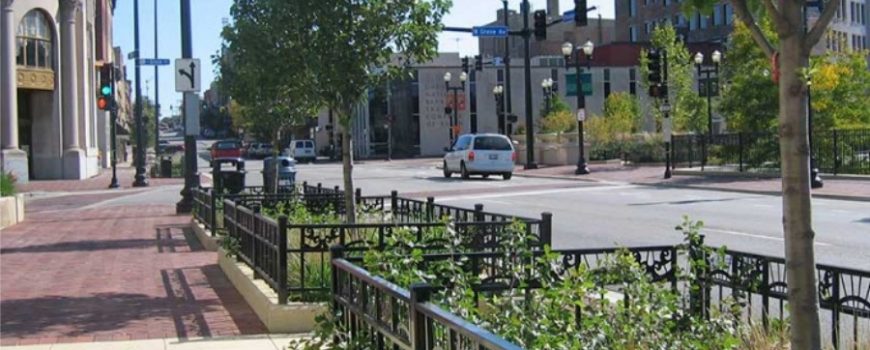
(153,62)
(187,75)
(490,31)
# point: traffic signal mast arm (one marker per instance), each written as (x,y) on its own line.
(513,32)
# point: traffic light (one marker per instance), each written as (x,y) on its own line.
(107,91)
(541,25)
(478,63)
(654,66)
(465,64)
(580,18)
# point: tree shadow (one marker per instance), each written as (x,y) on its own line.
(690,201)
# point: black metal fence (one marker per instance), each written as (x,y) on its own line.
(835,151)
(382,315)
(757,282)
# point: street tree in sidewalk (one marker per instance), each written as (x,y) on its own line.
(265,67)
(687,108)
(840,90)
(357,45)
(790,58)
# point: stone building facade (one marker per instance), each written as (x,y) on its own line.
(51,52)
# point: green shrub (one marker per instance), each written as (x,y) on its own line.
(7,184)
(558,122)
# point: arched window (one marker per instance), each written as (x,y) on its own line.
(34,41)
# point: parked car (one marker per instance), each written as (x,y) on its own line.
(170,148)
(480,154)
(226,149)
(161,146)
(258,150)
(302,150)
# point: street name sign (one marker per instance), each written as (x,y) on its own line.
(490,31)
(568,16)
(153,61)
(187,75)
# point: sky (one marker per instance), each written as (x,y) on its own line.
(207,21)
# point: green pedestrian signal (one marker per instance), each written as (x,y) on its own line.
(106,90)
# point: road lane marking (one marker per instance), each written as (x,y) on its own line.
(533,193)
(754,235)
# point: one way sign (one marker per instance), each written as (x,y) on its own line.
(187,75)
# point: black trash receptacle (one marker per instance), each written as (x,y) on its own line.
(228,180)
(166,166)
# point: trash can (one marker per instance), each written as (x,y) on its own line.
(286,174)
(228,180)
(166,166)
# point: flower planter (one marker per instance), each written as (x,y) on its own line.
(11,210)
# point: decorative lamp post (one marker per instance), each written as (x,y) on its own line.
(498,92)
(705,87)
(547,87)
(454,120)
(587,49)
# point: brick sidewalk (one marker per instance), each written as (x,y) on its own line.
(653,175)
(114,273)
(99,182)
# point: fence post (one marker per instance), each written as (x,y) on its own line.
(213,221)
(282,259)
(420,293)
(236,203)
(546,228)
(358,195)
(336,252)
(394,202)
(835,310)
(430,208)
(254,243)
(836,154)
(740,145)
(319,188)
(697,290)
(478,212)
(765,294)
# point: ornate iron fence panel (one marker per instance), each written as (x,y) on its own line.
(370,310)
(260,242)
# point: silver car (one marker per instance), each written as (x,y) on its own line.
(480,154)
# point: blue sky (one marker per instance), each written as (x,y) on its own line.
(207,23)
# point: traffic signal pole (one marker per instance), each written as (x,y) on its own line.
(530,122)
(507,72)
(191,180)
(156,90)
(140,180)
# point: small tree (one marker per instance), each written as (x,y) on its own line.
(622,110)
(357,45)
(790,58)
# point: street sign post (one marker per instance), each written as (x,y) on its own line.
(490,31)
(187,75)
(153,61)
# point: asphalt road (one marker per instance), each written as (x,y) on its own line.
(591,215)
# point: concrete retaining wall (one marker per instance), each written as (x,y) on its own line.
(11,210)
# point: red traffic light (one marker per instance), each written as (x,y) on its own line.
(103,103)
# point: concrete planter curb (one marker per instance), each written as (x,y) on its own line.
(292,317)
(205,237)
(11,210)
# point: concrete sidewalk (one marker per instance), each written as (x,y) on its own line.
(113,267)
(834,188)
(99,182)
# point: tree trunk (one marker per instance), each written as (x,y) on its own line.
(796,203)
(347,167)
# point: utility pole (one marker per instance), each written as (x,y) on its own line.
(507,69)
(191,180)
(140,180)
(156,90)
(530,123)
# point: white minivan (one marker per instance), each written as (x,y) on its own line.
(480,154)
(302,150)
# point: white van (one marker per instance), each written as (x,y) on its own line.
(302,150)
(482,154)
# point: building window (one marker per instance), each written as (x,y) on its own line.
(606,82)
(729,14)
(632,83)
(499,75)
(632,34)
(632,8)
(703,21)
(647,28)
(34,41)
(718,16)
(693,22)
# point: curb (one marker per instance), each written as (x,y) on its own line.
(734,190)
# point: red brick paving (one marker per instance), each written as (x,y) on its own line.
(653,175)
(99,182)
(125,272)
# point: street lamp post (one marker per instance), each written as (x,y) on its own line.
(498,92)
(705,87)
(568,50)
(454,120)
(547,87)
(140,180)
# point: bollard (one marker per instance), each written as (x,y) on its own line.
(420,293)
(546,228)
